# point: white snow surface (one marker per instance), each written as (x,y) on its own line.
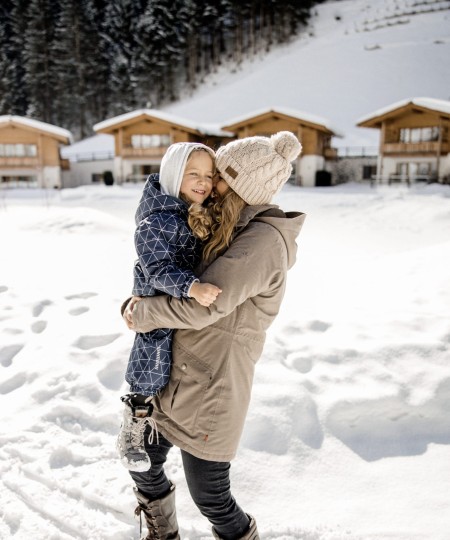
(355,57)
(348,433)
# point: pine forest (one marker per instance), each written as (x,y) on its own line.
(73,63)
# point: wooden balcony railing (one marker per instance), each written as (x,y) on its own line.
(14,161)
(416,148)
(154,152)
(330,153)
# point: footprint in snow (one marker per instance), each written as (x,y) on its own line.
(3,288)
(18,380)
(299,362)
(8,353)
(38,326)
(78,310)
(82,296)
(92,342)
(39,307)
(389,427)
(13,331)
(63,457)
(112,375)
(319,326)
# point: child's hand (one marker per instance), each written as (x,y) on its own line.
(204,293)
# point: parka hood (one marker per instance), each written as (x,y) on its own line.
(288,224)
(153,200)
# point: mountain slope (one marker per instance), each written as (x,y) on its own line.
(355,57)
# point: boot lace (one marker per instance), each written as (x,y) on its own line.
(138,428)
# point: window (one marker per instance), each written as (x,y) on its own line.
(417,135)
(150,141)
(416,170)
(140,172)
(18,150)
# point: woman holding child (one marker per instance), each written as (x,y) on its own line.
(203,407)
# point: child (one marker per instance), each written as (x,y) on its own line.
(168,251)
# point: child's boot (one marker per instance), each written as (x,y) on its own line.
(130,441)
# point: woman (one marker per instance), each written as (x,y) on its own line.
(203,408)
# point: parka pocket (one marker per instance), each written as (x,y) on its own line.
(187,388)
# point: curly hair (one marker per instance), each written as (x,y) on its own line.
(200,220)
(215,223)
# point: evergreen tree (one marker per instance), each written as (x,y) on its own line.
(81,74)
(13,91)
(120,37)
(162,38)
(41,76)
(76,62)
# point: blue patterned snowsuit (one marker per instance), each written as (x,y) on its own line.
(168,252)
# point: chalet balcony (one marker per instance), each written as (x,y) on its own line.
(416,148)
(152,152)
(330,153)
(15,161)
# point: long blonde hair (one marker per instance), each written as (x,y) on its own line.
(216,222)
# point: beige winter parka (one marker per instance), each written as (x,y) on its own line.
(203,408)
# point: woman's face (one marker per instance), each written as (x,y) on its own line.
(220,186)
(197,180)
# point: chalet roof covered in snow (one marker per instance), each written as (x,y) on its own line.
(195,127)
(318,121)
(375,118)
(29,123)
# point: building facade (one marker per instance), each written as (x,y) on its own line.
(317,156)
(142,137)
(29,152)
(414,141)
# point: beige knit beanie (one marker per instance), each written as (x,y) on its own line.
(257,167)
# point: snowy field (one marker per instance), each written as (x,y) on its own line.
(348,433)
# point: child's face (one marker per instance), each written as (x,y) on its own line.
(196,185)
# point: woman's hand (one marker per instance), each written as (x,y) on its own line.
(128,312)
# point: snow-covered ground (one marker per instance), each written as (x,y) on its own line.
(348,433)
(356,56)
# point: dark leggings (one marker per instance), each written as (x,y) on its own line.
(208,483)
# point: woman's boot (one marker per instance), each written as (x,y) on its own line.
(251,534)
(160,516)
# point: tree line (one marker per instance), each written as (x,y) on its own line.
(73,63)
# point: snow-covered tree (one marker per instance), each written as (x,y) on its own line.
(13,90)
(41,76)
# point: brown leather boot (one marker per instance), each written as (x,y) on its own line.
(160,516)
(251,534)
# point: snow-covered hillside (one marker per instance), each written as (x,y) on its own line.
(356,56)
(347,437)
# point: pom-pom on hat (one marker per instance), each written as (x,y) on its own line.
(256,168)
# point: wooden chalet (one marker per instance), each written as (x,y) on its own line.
(414,140)
(29,152)
(143,136)
(313,132)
